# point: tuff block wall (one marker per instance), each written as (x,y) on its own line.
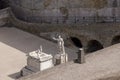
(66,11)
(103,33)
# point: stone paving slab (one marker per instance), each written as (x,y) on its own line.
(99,64)
(15,44)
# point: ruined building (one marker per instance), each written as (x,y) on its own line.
(92,24)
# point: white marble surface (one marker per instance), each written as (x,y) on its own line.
(41,56)
(38,61)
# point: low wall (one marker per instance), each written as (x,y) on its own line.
(73,11)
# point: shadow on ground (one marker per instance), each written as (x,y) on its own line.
(15,75)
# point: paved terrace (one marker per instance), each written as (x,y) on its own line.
(100,64)
(14,45)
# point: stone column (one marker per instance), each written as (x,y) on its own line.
(81,56)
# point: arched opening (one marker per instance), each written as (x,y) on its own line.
(3,4)
(76,42)
(116,40)
(93,45)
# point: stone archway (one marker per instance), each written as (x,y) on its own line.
(3,4)
(93,45)
(76,42)
(116,40)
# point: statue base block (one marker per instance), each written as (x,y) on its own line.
(37,62)
(61,58)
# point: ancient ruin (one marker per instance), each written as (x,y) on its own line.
(68,30)
(76,22)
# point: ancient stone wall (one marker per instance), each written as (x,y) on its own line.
(66,11)
(85,33)
(101,34)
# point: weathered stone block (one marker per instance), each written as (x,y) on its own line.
(37,62)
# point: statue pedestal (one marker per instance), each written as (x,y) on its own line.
(61,58)
(37,62)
